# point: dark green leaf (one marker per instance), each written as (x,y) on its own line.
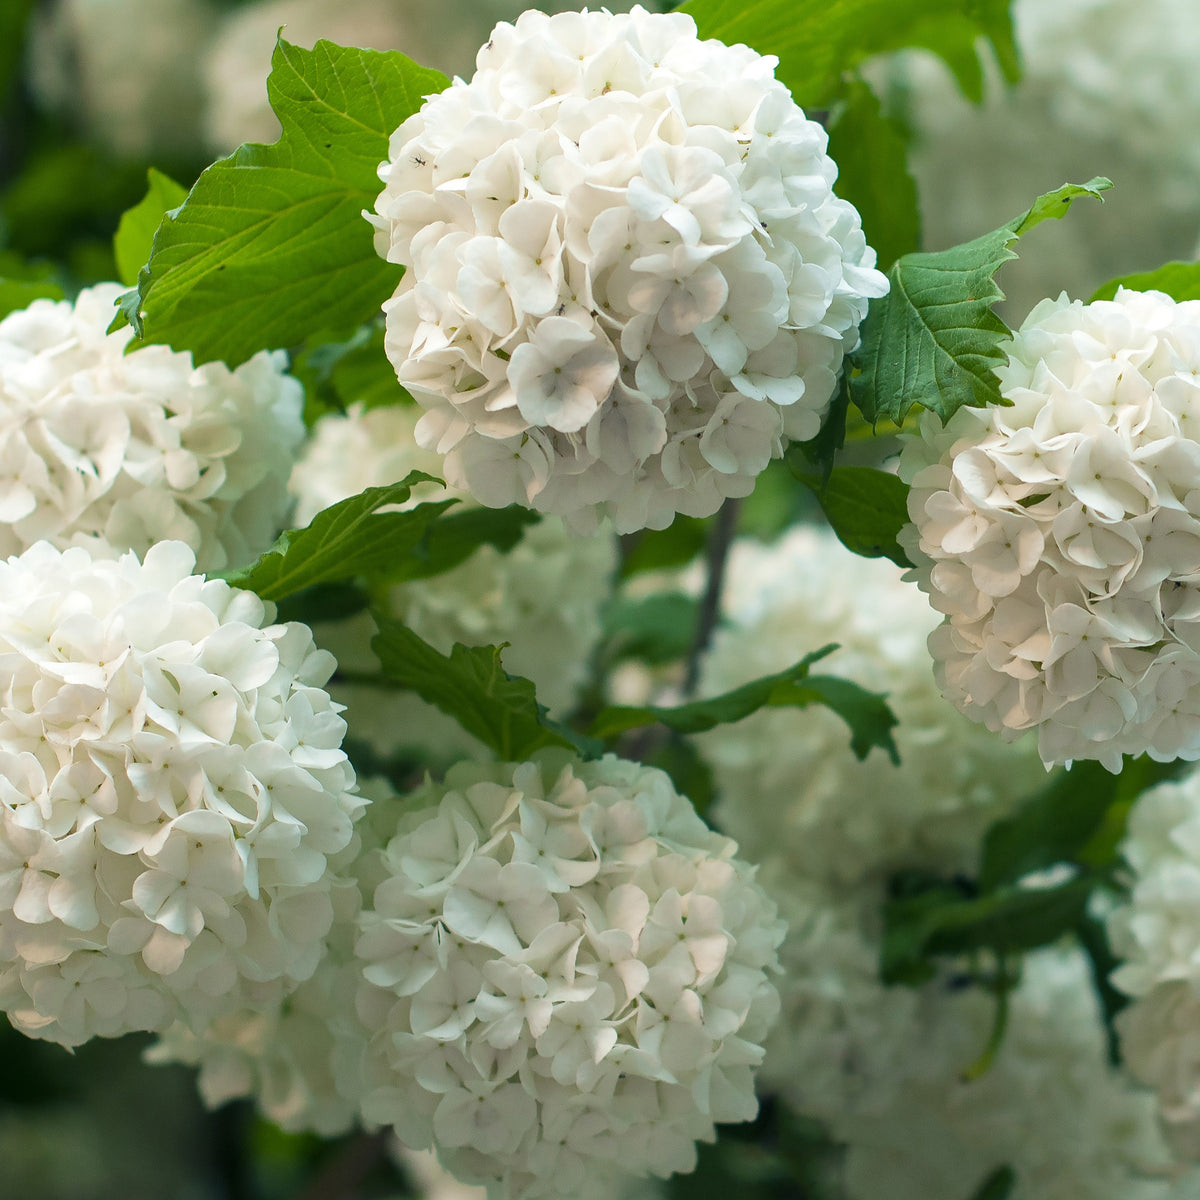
(655,549)
(866,507)
(999,1185)
(14,14)
(1093,937)
(821,451)
(942,920)
(325,602)
(271,245)
(867,713)
(471,686)
(135,233)
(689,772)
(655,628)
(1180,280)
(338,371)
(871,152)
(818,43)
(1078,817)
(933,339)
(454,537)
(348,539)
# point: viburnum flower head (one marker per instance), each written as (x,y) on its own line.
(125,450)
(627,277)
(1060,535)
(171,789)
(566,977)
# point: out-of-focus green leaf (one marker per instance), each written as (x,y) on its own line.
(656,628)
(1180,281)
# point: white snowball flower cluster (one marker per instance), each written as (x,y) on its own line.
(789,786)
(81,57)
(1107,86)
(171,790)
(627,276)
(1050,1106)
(100,446)
(1157,937)
(565,977)
(1061,535)
(543,597)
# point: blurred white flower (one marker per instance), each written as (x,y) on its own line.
(627,277)
(126,71)
(171,793)
(565,977)
(1061,535)
(120,451)
(543,597)
(789,786)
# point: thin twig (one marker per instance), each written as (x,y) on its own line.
(710,606)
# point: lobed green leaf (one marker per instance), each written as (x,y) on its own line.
(933,339)
(270,245)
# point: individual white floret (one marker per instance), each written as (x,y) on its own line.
(627,277)
(1060,535)
(543,597)
(565,977)
(1107,86)
(123,450)
(1050,1106)
(172,789)
(789,786)
(81,60)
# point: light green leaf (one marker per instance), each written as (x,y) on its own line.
(871,151)
(271,245)
(933,339)
(818,43)
(135,233)
(865,507)
(21,293)
(867,713)
(471,686)
(1180,280)
(345,541)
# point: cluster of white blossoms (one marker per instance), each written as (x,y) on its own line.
(566,977)
(172,788)
(624,286)
(1156,936)
(789,786)
(543,597)
(121,451)
(1106,86)
(1060,534)
(1050,1105)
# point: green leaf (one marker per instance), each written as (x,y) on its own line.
(338,372)
(942,920)
(867,713)
(655,628)
(933,339)
(471,686)
(871,152)
(821,451)
(1180,280)
(346,540)
(866,507)
(271,245)
(14,15)
(656,549)
(21,293)
(1078,817)
(999,1185)
(135,233)
(818,43)
(455,536)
